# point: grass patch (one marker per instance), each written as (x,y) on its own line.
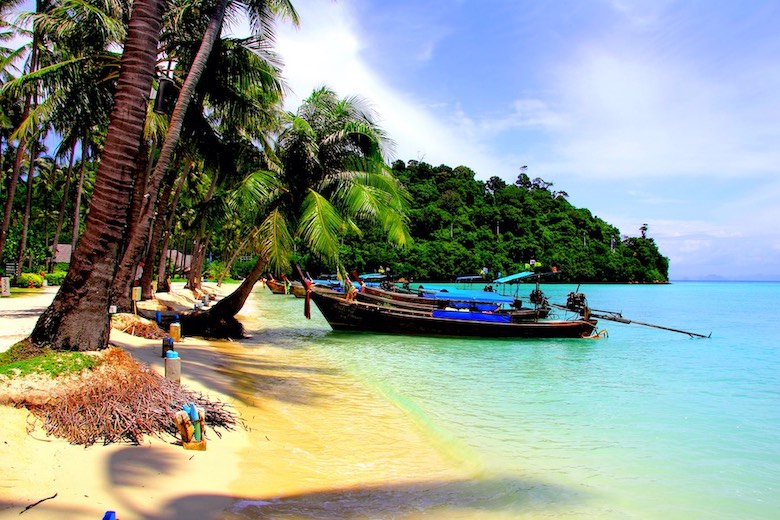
(23,359)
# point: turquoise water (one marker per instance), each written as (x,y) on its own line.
(645,423)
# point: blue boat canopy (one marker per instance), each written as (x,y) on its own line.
(470,278)
(373,277)
(514,277)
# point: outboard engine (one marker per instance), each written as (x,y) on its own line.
(537,297)
(576,302)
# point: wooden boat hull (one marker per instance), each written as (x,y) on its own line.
(298,290)
(277,287)
(428,304)
(488,303)
(342,314)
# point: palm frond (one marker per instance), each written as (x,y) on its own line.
(320,225)
(255,191)
(276,241)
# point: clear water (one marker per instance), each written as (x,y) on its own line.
(645,423)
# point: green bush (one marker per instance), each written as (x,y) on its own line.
(30,280)
(56,277)
(241,268)
(216,269)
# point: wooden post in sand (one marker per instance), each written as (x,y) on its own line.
(173,366)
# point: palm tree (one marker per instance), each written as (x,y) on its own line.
(78,317)
(261,14)
(332,178)
(70,65)
(236,104)
(22,136)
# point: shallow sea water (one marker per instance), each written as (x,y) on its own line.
(645,423)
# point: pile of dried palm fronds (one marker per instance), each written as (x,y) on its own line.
(121,400)
(137,326)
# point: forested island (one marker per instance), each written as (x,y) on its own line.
(460,225)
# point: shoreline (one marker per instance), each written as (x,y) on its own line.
(297,443)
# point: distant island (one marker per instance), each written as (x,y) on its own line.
(461,226)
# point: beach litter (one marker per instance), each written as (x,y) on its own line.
(190,422)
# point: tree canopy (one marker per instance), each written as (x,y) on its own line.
(460,225)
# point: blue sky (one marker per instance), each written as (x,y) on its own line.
(657,112)
(644,111)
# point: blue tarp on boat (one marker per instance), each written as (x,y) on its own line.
(471,316)
(514,277)
(479,306)
(466,296)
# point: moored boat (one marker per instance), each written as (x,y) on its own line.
(482,301)
(428,304)
(277,287)
(354,315)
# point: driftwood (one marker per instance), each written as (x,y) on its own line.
(122,400)
(38,502)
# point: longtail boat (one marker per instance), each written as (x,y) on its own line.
(428,304)
(277,287)
(354,315)
(486,302)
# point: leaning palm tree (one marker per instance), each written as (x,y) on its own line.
(332,178)
(261,14)
(236,104)
(78,318)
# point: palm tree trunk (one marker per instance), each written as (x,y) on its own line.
(27,203)
(151,253)
(162,272)
(199,253)
(196,263)
(140,230)
(20,149)
(55,242)
(78,317)
(231,304)
(74,238)
(219,321)
(9,202)
(232,259)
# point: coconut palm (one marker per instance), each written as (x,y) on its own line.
(261,14)
(78,317)
(332,178)
(69,77)
(236,104)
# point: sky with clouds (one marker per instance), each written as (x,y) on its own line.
(643,111)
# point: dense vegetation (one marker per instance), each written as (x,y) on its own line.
(461,225)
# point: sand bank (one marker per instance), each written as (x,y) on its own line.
(303,451)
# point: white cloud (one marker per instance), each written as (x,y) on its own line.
(327,51)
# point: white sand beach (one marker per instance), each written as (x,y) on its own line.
(295,448)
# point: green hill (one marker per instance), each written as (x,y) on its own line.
(461,225)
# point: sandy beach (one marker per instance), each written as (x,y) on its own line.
(298,454)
